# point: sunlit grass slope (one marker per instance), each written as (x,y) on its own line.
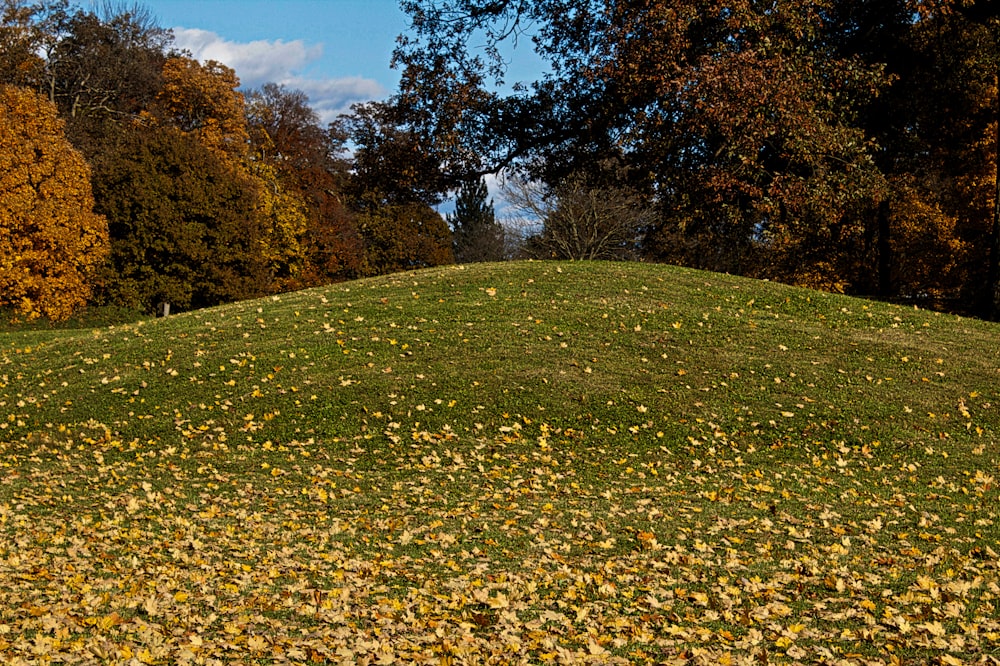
(524,462)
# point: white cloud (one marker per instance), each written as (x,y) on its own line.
(331,97)
(255,62)
(281,62)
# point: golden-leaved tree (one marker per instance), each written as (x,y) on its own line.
(51,241)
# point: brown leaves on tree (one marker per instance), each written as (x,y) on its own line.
(305,158)
(50,239)
(781,140)
(203,99)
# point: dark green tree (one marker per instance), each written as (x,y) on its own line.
(182,223)
(476,234)
(402,237)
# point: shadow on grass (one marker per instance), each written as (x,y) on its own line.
(90,317)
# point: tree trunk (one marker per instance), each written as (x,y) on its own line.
(884,251)
(993,270)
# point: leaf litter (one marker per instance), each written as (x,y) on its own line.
(629,526)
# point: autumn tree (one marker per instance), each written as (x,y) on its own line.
(308,160)
(204,102)
(203,99)
(976,89)
(737,115)
(51,241)
(476,234)
(283,217)
(929,128)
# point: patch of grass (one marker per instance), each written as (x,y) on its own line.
(519,462)
(90,317)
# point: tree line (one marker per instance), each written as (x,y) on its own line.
(131,174)
(847,145)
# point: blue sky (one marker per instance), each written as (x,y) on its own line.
(336,51)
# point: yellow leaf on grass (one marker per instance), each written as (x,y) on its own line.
(934,628)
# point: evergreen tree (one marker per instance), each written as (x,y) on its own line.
(476,234)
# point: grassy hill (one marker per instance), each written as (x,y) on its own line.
(501,463)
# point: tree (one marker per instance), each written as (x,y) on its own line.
(765,175)
(183,223)
(932,128)
(402,237)
(392,164)
(204,99)
(102,70)
(395,182)
(21,39)
(983,19)
(582,220)
(283,218)
(451,99)
(476,234)
(308,160)
(51,241)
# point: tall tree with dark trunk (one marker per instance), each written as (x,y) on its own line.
(737,116)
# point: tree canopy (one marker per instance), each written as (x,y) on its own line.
(846,145)
(51,240)
(182,222)
(839,144)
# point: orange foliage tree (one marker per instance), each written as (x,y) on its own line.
(51,241)
(203,99)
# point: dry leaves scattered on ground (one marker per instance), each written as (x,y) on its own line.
(523,548)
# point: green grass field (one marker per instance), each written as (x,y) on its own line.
(511,463)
